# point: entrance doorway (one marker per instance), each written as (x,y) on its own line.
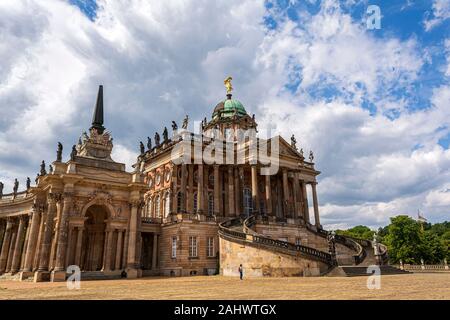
(94,238)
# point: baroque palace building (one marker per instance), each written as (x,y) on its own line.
(195,203)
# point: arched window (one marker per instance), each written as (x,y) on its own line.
(247,201)
(179,202)
(158,207)
(167,204)
(210,204)
(195,202)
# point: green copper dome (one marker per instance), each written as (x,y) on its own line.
(228,108)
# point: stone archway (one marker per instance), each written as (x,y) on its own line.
(93,248)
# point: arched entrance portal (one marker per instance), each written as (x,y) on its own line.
(94,238)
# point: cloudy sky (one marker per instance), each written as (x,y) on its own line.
(373,104)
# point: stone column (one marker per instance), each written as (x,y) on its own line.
(109,241)
(47,239)
(37,254)
(25,243)
(69,254)
(296,192)
(155,251)
(200,191)
(183,187)
(255,192)
(174,193)
(2,231)
(12,245)
(5,245)
(268,196)
(15,266)
(237,191)
(132,264)
(190,196)
(61,248)
(316,205)
(78,247)
(286,208)
(216,190)
(118,265)
(231,207)
(305,202)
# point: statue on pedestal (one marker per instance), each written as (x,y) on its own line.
(293,142)
(16,186)
(59,152)
(141,146)
(1,189)
(185,122)
(50,168)
(73,153)
(331,239)
(157,138)
(36,180)
(28,183)
(43,171)
(149,143)
(174,126)
(311,156)
(165,135)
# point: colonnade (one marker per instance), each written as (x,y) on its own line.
(230,190)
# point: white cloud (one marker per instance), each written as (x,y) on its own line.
(441,12)
(164,59)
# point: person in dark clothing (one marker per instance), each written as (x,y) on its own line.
(241,272)
(123,274)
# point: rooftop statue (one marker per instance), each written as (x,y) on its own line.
(157,138)
(311,156)
(165,135)
(293,142)
(50,168)
(149,143)
(141,146)
(43,171)
(28,183)
(36,180)
(1,189)
(301,152)
(174,126)
(73,153)
(16,186)
(228,85)
(185,122)
(59,152)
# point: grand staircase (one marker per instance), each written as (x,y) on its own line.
(241,230)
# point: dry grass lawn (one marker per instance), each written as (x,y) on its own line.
(411,286)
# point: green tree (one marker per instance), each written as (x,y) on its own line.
(360,232)
(433,249)
(404,240)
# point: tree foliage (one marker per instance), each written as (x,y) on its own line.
(408,241)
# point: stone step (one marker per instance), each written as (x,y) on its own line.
(354,271)
(98,275)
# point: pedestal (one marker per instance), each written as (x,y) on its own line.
(134,273)
(58,276)
(25,275)
(41,276)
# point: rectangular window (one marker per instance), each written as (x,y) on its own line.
(297,241)
(192,247)
(210,247)
(174,247)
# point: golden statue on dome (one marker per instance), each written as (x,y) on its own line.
(228,85)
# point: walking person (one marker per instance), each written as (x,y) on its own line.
(241,272)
